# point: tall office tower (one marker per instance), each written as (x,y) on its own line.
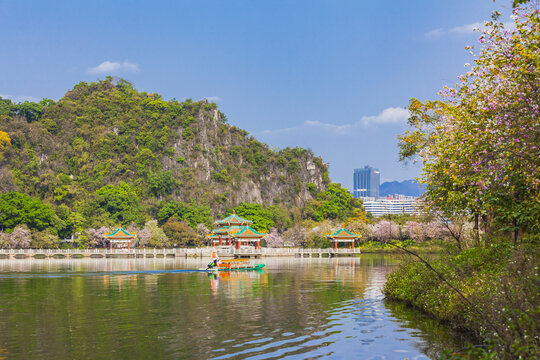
(366,182)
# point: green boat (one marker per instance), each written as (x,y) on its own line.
(236,265)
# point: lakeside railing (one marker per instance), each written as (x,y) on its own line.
(202,251)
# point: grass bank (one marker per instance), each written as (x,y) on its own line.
(377,247)
(501,282)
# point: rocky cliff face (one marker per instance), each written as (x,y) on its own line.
(238,168)
(107,132)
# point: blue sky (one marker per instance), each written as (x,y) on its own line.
(333,76)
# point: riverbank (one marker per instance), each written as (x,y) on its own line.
(501,282)
(426,247)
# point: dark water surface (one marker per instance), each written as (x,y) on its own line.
(157,308)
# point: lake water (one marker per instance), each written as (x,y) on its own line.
(158,309)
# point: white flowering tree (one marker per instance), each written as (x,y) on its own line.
(20,238)
(273,239)
(96,237)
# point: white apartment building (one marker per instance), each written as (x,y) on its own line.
(395,205)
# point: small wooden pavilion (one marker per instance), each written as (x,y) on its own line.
(248,236)
(234,229)
(120,237)
(343,236)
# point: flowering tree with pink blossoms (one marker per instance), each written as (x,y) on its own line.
(20,238)
(96,237)
(273,239)
(480,143)
(386,230)
(415,230)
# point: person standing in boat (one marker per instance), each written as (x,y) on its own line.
(215,261)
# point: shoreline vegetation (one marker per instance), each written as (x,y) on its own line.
(501,281)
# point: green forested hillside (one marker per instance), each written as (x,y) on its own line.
(107,153)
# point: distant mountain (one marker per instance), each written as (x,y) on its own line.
(406,187)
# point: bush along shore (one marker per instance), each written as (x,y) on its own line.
(497,298)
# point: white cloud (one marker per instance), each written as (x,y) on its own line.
(464,30)
(391,115)
(110,67)
(281,131)
(19,98)
(433,34)
(467,28)
(213,98)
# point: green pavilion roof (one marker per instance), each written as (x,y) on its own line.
(248,232)
(120,233)
(343,234)
(240,232)
(233,220)
(224,231)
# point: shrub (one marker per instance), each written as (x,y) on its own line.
(500,280)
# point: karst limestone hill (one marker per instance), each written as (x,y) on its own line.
(108,133)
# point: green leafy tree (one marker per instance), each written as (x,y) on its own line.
(262,218)
(44,240)
(30,110)
(6,106)
(334,203)
(157,238)
(191,213)
(180,233)
(120,202)
(17,209)
(281,217)
(162,183)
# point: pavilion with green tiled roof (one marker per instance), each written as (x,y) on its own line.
(233,220)
(235,229)
(248,235)
(344,236)
(120,237)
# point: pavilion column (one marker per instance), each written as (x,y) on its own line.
(220,241)
(110,244)
(129,245)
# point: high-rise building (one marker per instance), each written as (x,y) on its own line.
(366,182)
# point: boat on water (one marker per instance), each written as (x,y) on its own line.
(234,265)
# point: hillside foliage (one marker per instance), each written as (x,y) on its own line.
(107,154)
